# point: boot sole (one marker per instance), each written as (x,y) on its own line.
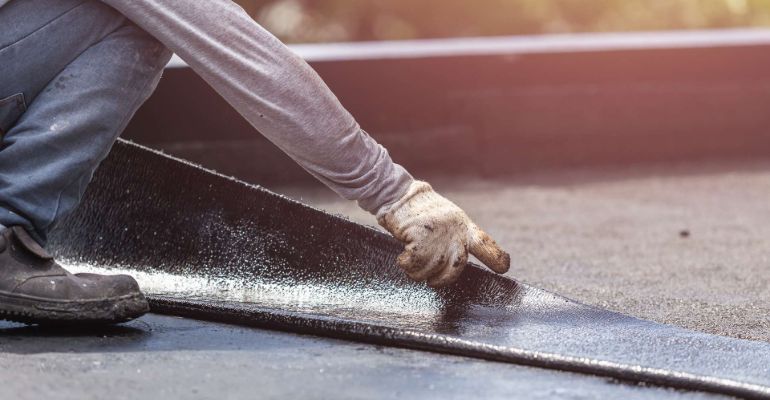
(39,311)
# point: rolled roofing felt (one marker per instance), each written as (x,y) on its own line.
(210,247)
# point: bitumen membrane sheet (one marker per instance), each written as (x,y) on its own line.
(237,253)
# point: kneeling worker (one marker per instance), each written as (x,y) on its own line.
(74,72)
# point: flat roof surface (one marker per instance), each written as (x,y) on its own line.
(684,245)
(175,358)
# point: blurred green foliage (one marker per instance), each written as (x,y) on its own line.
(344,20)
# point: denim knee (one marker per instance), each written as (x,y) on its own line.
(95,12)
(152,53)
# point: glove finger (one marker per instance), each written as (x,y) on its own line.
(488,251)
(451,271)
(437,260)
(410,261)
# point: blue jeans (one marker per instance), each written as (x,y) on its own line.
(72,74)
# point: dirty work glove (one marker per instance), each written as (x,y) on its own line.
(438,236)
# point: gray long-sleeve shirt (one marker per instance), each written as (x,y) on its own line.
(276,91)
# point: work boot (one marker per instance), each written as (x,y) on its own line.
(34,289)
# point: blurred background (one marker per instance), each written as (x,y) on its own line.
(297,21)
(698,90)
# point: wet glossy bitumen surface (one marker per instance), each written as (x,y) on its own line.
(209,247)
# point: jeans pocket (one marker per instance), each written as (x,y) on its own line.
(11,109)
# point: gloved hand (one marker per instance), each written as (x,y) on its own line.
(438,236)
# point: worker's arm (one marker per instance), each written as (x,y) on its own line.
(283,98)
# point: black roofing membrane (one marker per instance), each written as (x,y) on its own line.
(210,247)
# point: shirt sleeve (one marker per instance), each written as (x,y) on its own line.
(276,91)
